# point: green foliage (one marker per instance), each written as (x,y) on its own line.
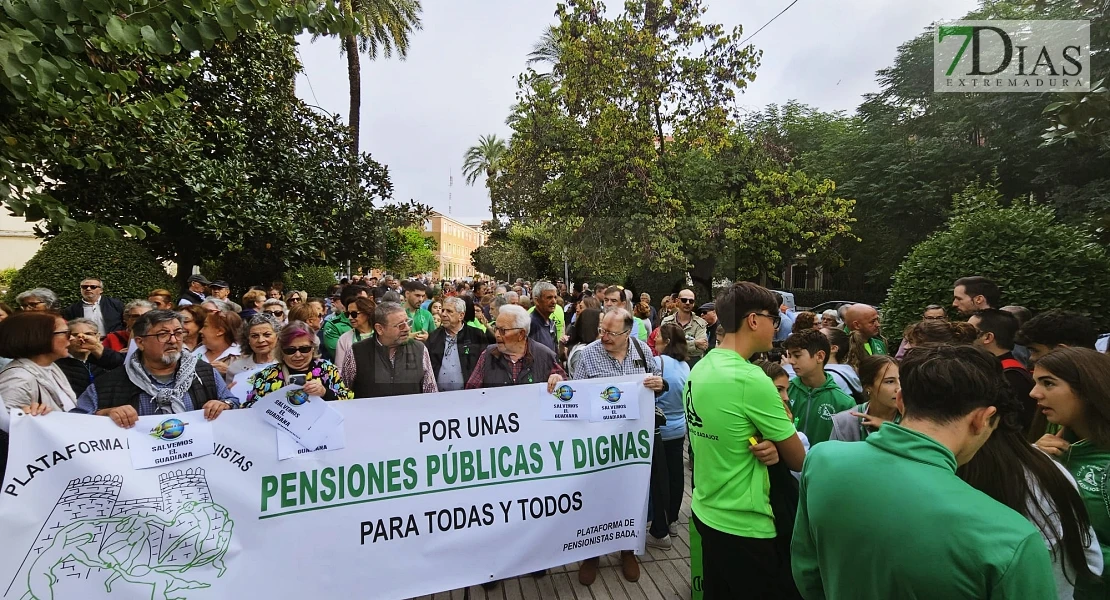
(411,252)
(907,150)
(517,251)
(314,281)
(6,276)
(242,172)
(69,67)
(1037,261)
(625,157)
(127,269)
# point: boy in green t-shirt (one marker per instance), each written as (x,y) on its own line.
(731,403)
(814,395)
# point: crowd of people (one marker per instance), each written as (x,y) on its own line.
(982,472)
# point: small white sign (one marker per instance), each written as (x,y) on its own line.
(240,384)
(565,404)
(613,402)
(159,440)
(292,410)
(291,448)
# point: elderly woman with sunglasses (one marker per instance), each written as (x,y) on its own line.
(299,364)
(277,308)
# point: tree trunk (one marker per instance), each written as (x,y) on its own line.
(701,273)
(354,74)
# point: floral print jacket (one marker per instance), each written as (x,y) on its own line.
(272,378)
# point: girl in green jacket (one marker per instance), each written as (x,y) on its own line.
(1072,390)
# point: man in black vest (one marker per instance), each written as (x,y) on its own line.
(159,378)
(389,364)
(515,359)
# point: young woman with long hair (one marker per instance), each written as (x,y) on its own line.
(1017,474)
(879,376)
(1072,390)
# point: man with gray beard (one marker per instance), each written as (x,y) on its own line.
(159,378)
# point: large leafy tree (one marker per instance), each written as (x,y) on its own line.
(626,154)
(485,159)
(70,67)
(242,172)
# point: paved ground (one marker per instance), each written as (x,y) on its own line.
(664,575)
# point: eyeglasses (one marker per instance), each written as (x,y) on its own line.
(65,333)
(32,304)
(276,313)
(290,351)
(505,330)
(165,336)
(89,287)
(936,318)
(606,332)
(776,320)
(352,314)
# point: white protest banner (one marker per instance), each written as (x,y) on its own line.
(431,493)
(164,439)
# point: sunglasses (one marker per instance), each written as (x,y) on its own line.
(276,313)
(352,314)
(686,300)
(290,351)
(294,300)
(89,287)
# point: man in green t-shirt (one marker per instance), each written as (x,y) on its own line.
(730,401)
(422,321)
(925,533)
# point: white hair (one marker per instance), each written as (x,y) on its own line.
(521,318)
(512,297)
(830,313)
(542,286)
(456,303)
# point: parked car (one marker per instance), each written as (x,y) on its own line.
(787,299)
(833,304)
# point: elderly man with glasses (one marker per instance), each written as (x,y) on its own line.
(159,378)
(617,352)
(515,359)
(697,330)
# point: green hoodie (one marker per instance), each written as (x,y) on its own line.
(1087,463)
(333,329)
(922,532)
(814,408)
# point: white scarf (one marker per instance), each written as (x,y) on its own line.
(53,385)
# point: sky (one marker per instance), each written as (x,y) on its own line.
(420,115)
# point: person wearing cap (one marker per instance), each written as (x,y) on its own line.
(194,290)
(221,290)
(708,313)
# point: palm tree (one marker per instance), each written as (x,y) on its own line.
(485,158)
(387,25)
(546,50)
